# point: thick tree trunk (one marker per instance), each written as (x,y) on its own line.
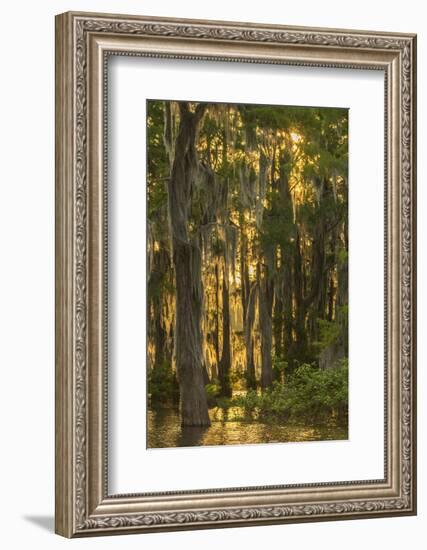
(186,259)
(188,340)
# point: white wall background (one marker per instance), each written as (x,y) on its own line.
(27,274)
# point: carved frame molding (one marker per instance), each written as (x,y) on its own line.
(83,43)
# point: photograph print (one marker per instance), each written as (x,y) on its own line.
(247,274)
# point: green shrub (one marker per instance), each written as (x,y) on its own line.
(309,394)
(249,402)
(329,332)
(319,393)
(163,385)
(213,389)
(279,369)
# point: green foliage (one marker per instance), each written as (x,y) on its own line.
(319,393)
(224,402)
(342,256)
(237,379)
(279,369)
(310,394)
(213,390)
(329,332)
(162,384)
(343,311)
(250,403)
(277,229)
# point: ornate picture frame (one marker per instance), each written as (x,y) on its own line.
(84,42)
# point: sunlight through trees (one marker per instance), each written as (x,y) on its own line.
(247,252)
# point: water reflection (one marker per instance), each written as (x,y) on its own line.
(229,428)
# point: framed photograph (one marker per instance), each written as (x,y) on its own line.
(235,274)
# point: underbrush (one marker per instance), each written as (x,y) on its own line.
(309,394)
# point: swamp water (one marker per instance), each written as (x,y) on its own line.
(229,428)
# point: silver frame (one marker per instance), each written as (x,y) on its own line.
(83,43)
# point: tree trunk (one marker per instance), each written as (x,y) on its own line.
(225,363)
(216,335)
(331,298)
(300,332)
(286,254)
(342,295)
(315,302)
(278,304)
(159,336)
(287,305)
(244,275)
(278,323)
(160,266)
(249,339)
(265,321)
(187,263)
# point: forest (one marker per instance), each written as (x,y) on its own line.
(247,273)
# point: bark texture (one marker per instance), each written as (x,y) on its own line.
(187,264)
